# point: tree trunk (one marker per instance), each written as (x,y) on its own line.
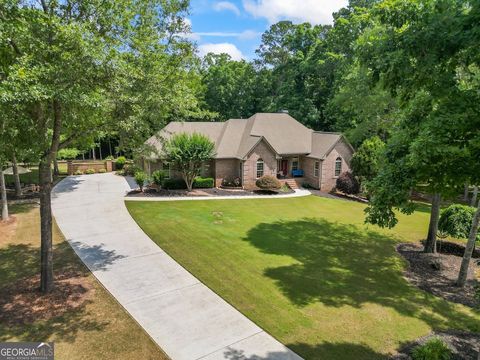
(474,196)
(110,147)
(100,151)
(462,275)
(46,259)
(431,242)
(56,171)
(3,191)
(16,177)
(45,180)
(465,192)
(93,154)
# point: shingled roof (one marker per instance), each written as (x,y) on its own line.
(235,138)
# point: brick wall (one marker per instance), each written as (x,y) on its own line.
(329,179)
(308,170)
(264,152)
(74,166)
(226,168)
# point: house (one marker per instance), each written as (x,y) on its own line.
(265,144)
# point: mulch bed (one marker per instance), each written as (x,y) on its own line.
(423,273)
(201,193)
(464,345)
(23,303)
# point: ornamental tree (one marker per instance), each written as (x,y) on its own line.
(186,153)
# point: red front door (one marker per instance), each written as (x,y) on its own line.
(284,167)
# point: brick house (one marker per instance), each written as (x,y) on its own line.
(265,144)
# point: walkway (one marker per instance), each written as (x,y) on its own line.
(183,316)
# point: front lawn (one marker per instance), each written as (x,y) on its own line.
(80,316)
(306,270)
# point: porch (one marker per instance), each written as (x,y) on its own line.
(289,167)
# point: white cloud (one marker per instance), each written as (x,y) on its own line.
(244,35)
(221,48)
(313,11)
(226,5)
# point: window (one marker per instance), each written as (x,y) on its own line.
(294,164)
(166,170)
(316,169)
(260,166)
(338,166)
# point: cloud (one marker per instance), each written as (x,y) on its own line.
(226,6)
(221,48)
(313,11)
(244,35)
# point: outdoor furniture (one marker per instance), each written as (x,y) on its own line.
(297,173)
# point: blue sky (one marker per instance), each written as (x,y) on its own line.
(236,26)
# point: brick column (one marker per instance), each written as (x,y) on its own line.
(69,167)
(108,165)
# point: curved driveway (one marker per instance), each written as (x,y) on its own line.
(184,317)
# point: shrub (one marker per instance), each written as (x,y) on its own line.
(130,170)
(268,182)
(174,184)
(456,221)
(102,171)
(433,349)
(90,171)
(203,183)
(120,162)
(348,184)
(109,157)
(158,177)
(78,172)
(232,181)
(140,178)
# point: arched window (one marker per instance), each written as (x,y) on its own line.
(260,166)
(338,166)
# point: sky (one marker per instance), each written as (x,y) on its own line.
(235,27)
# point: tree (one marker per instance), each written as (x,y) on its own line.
(3,193)
(187,153)
(462,276)
(49,44)
(428,143)
(365,162)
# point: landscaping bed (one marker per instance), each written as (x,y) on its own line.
(464,345)
(150,192)
(437,273)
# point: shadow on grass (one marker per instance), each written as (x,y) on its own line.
(341,265)
(325,350)
(28,315)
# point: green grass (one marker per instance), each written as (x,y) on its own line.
(307,270)
(98,329)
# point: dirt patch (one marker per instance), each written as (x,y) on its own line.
(23,303)
(464,345)
(7,228)
(437,273)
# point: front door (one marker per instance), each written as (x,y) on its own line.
(284,167)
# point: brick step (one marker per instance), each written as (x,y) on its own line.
(293,184)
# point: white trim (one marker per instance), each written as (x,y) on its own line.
(315,168)
(259,161)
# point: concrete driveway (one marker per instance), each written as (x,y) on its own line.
(183,316)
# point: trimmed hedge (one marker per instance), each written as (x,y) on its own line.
(90,171)
(120,162)
(174,184)
(433,349)
(268,182)
(203,183)
(179,184)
